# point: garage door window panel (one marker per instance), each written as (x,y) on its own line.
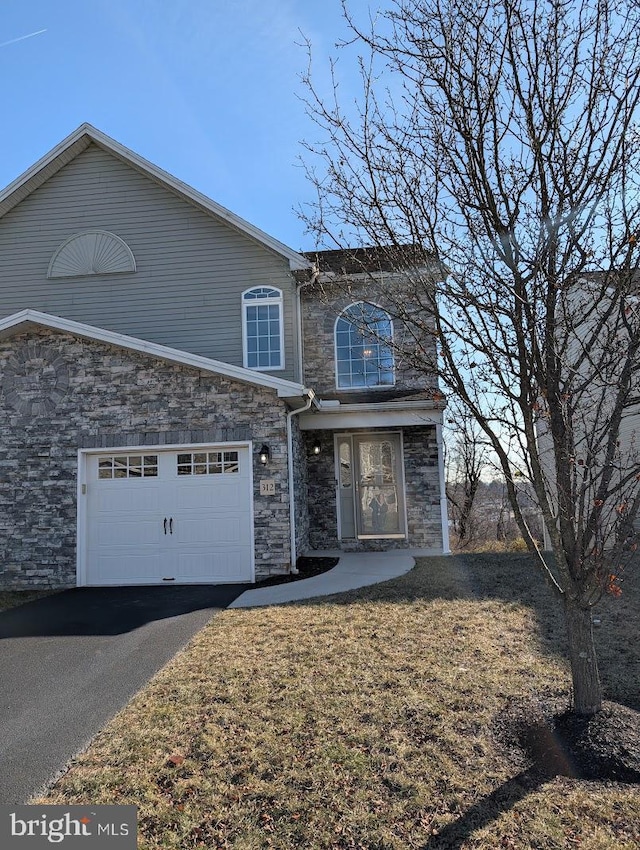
(136,466)
(207,463)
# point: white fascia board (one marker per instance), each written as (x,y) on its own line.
(331,405)
(42,163)
(18,322)
(296,260)
(348,416)
(19,187)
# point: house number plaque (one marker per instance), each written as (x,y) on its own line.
(268,487)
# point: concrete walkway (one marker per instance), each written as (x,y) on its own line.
(353,570)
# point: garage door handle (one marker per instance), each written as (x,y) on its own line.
(165,525)
(171,526)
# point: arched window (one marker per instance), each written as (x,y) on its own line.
(364,355)
(262,328)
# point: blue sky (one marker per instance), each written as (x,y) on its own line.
(206,89)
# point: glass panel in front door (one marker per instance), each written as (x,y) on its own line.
(345,489)
(379,496)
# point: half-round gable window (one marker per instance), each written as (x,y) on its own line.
(92,252)
(364,353)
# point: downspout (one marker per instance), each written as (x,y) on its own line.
(444,514)
(292,497)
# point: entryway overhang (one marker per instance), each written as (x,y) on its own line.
(331,415)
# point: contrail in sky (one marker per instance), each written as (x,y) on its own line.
(21,38)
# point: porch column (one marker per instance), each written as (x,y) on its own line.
(444,514)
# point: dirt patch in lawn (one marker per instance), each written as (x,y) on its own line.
(603,748)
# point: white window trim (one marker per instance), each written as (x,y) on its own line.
(375,387)
(262,302)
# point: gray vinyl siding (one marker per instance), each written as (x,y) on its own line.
(629,436)
(629,443)
(191,267)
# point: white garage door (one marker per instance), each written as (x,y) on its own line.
(169,517)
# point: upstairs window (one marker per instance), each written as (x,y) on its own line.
(262,328)
(364,354)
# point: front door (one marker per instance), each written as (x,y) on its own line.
(370,486)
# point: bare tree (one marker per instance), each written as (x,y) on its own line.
(465,462)
(494,152)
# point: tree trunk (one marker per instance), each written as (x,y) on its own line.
(471,488)
(587,690)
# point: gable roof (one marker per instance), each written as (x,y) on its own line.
(26,319)
(85,135)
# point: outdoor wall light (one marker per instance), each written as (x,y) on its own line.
(264,454)
(316,448)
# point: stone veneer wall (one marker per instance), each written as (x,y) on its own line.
(422,493)
(321,491)
(60,393)
(300,487)
(321,306)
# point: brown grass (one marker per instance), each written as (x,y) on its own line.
(365,720)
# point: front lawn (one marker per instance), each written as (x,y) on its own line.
(371,720)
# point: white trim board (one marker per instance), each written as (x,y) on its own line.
(369,417)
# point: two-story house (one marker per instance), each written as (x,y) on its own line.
(177,402)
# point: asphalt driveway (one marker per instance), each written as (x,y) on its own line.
(69,662)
